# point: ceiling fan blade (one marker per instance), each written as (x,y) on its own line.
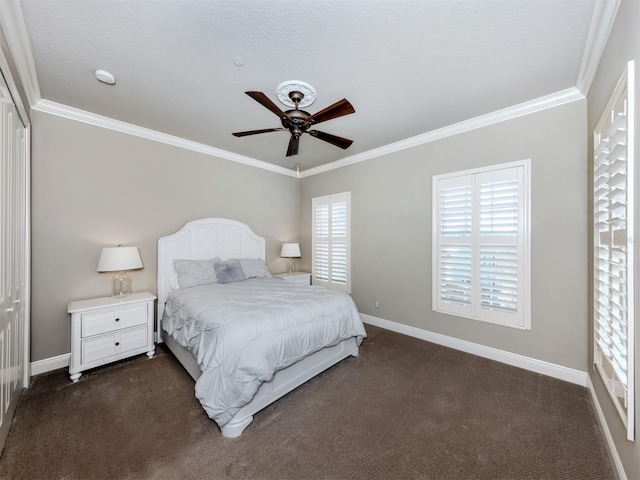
(293,145)
(254,132)
(266,102)
(341,142)
(338,109)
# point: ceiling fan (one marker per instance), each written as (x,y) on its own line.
(298,121)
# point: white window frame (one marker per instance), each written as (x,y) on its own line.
(474,305)
(337,274)
(614,215)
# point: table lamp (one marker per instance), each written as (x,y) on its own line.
(290,250)
(119,259)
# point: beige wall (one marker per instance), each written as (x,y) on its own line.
(391,230)
(623,46)
(94,187)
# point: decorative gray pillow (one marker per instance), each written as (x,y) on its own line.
(254,267)
(192,273)
(229,271)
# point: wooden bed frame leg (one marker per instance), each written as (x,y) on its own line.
(234,429)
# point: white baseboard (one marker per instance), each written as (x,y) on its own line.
(539,366)
(611,446)
(49,364)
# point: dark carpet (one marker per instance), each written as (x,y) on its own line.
(405,409)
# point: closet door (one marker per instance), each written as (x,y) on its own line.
(14,172)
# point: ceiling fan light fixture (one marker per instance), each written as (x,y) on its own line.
(285,88)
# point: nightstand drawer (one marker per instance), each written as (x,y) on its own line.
(106,346)
(111,320)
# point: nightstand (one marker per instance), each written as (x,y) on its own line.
(299,278)
(104,330)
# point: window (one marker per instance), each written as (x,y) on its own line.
(332,241)
(613,266)
(481,244)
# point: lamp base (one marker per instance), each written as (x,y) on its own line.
(291,265)
(121,285)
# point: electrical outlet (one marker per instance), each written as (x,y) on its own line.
(377,304)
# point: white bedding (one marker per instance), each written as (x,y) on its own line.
(242,333)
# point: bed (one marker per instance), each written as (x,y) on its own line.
(282,344)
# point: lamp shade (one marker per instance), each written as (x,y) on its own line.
(290,250)
(116,259)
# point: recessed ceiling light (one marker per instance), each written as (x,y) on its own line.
(239,61)
(105,77)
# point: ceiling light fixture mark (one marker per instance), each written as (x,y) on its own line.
(239,61)
(105,77)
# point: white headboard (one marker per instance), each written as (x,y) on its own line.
(200,240)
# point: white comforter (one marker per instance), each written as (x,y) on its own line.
(242,333)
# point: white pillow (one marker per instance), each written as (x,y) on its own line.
(192,273)
(254,267)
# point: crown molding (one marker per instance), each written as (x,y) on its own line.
(83,116)
(536,105)
(15,32)
(532,106)
(542,103)
(604,15)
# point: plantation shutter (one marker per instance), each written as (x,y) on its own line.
(331,241)
(613,264)
(455,245)
(481,265)
(322,242)
(499,197)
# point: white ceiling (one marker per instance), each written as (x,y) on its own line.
(407,66)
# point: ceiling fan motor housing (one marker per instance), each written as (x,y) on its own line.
(296,119)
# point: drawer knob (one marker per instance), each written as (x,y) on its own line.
(117,343)
(117,319)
